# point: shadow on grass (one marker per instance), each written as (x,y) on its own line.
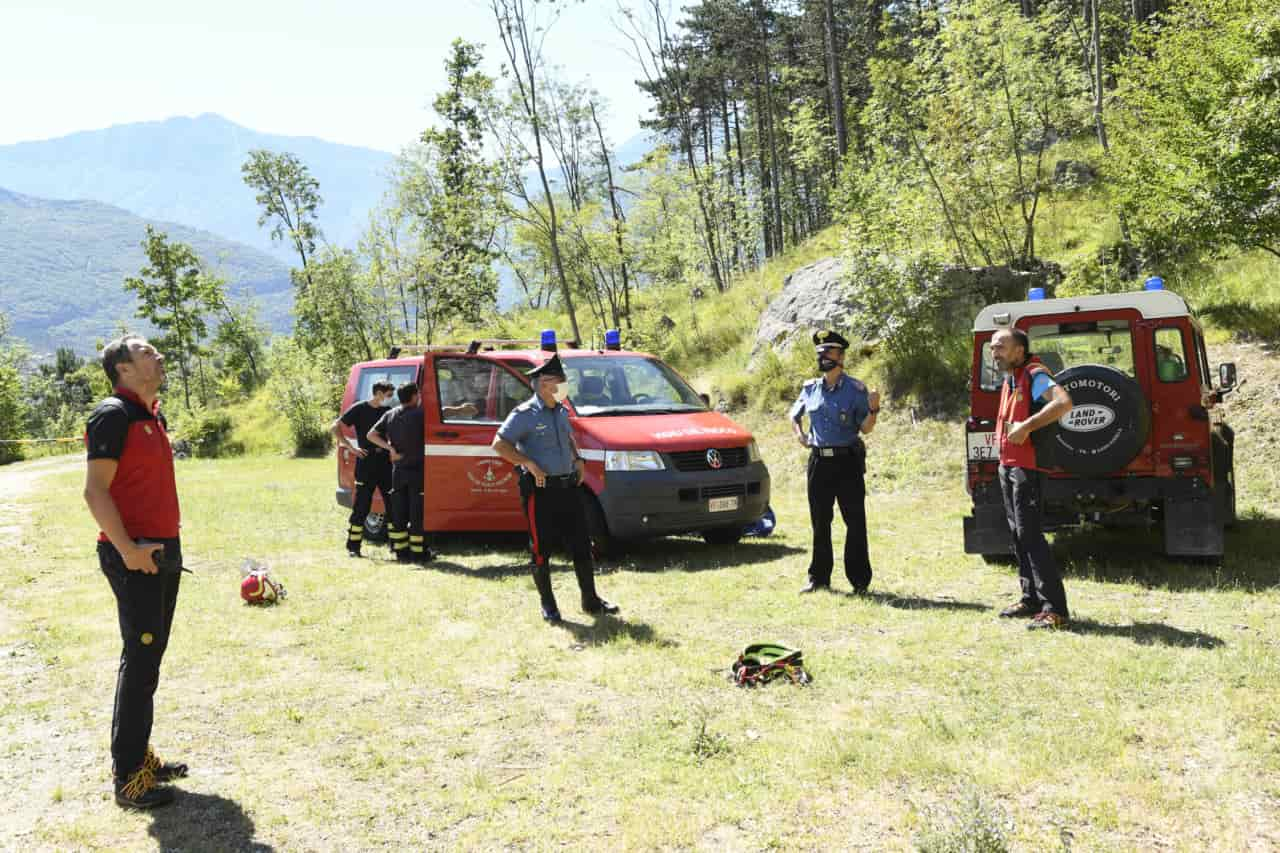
(1134,556)
(682,554)
(606,629)
(204,822)
(911,602)
(1148,634)
(1246,319)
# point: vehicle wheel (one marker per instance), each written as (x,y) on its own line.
(375,527)
(1105,428)
(603,543)
(1225,473)
(722,535)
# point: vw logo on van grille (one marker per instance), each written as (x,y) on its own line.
(713,458)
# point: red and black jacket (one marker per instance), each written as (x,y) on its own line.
(143,489)
(1016,405)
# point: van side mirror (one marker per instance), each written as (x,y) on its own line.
(1227,375)
(706,399)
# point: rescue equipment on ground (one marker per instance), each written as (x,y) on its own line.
(258,587)
(761,663)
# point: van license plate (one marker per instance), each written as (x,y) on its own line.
(722,504)
(982,447)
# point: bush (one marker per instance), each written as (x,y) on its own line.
(207,434)
(303,394)
(12,414)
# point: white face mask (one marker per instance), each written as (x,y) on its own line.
(562,392)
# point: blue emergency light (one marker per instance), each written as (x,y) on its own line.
(612,339)
(549,340)
(1154,282)
(1035,294)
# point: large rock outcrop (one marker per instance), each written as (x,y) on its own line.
(818,296)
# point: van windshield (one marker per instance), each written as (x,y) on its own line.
(1063,345)
(627,385)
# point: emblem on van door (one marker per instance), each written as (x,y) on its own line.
(713,458)
(1087,417)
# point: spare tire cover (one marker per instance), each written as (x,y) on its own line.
(1106,427)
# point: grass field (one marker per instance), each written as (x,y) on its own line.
(395,708)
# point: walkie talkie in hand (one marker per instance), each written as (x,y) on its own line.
(165,563)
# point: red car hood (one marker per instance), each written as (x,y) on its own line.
(692,431)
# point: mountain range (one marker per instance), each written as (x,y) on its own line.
(187,170)
(63,266)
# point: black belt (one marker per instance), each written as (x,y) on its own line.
(561,481)
(853,450)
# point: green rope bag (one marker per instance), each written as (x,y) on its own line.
(761,663)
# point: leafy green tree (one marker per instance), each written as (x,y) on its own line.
(288,197)
(239,343)
(1198,119)
(173,295)
(13,413)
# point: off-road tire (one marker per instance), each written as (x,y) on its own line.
(1111,418)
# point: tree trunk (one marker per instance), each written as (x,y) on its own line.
(834,81)
(618,219)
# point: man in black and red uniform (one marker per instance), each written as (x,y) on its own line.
(1029,400)
(132,494)
(373,464)
(401,433)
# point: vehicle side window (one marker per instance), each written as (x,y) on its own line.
(1171,355)
(512,391)
(465,381)
(397,376)
(1206,378)
(988,375)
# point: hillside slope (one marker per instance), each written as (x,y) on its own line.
(187,170)
(63,265)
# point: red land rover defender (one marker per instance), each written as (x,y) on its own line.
(659,461)
(1142,444)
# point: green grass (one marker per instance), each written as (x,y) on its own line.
(381,706)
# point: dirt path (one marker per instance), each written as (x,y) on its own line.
(31,746)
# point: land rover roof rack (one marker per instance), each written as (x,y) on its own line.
(472,348)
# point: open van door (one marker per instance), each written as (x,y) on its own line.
(468,486)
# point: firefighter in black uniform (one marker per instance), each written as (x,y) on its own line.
(840,409)
(401,432)
(538,438)
(373,464)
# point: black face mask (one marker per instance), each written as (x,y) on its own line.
(825,363)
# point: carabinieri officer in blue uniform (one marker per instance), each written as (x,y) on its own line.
(840,411)
(538,439)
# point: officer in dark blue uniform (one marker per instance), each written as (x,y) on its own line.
(840,410)
(538,438)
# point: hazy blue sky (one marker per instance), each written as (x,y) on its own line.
(362,72)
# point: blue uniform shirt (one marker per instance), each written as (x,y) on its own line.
(544,435)
(835,414)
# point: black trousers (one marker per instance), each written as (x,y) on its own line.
(839,480)
(557,516)
(144,606)
(1037,571)
(372,472)
(405,532)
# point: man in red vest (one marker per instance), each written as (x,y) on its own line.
(1029,400)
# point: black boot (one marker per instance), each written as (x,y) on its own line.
(542,581)
(140,790)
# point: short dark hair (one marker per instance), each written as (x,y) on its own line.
(407,391)
(1022,339)
(115,353)
(382,387)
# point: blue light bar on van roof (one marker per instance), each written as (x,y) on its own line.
(1035,294)
(1154,282)
(549,339)
(612,339)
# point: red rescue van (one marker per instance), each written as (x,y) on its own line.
(659,460)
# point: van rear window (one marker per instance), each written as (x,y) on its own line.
(1063,345)
(397,376)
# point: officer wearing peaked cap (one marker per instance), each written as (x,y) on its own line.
(538,438)
(840,410)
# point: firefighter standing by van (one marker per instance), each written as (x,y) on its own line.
(1027,384)
(538,438)
(400,431)
(840,410)
(132,494)
(373,464)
